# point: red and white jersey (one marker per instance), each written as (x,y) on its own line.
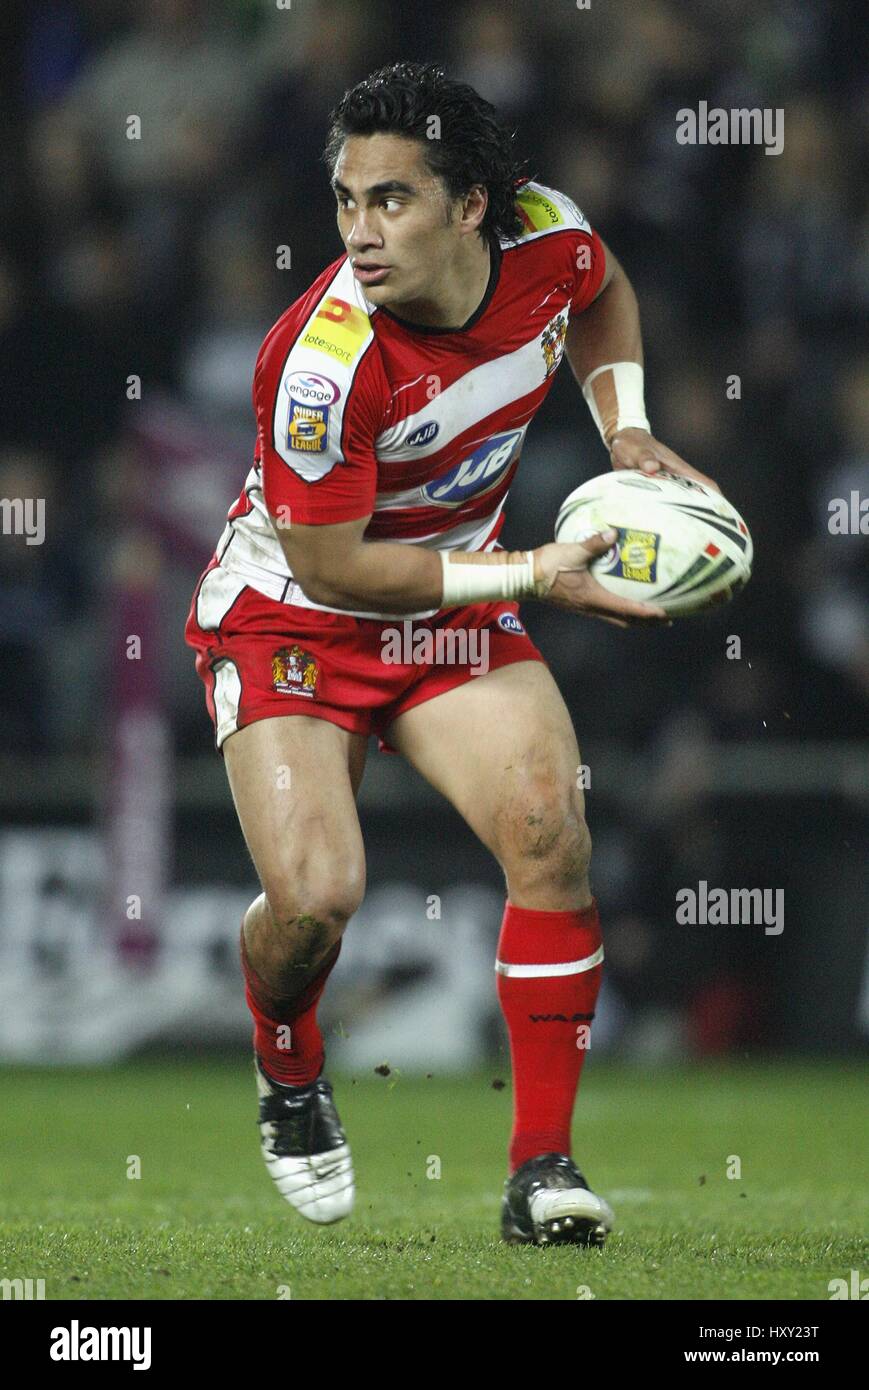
(359,413)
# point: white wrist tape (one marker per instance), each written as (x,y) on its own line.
(614,395)
(473,582)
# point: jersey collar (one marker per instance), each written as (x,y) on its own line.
(494,274)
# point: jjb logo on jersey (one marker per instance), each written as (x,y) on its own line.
(508,622)
(485,467)
(424,435)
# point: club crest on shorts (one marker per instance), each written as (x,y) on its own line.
(552,343)
(294,672)
(508,622)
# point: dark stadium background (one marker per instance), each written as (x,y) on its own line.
(156,259)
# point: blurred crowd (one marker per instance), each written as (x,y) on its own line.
(157,153)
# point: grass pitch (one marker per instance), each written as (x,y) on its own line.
(205,1222)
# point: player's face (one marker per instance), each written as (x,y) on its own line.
(401,232)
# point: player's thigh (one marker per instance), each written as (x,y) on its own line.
(502,749)
(294,781)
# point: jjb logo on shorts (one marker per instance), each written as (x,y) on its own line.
(508,622)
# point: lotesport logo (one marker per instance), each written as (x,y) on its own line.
(479,473)
(338,329)
(537,212)
(77,1343)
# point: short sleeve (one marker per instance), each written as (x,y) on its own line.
(589,268)
(317,421)
(547,212)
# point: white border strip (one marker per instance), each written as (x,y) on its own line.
(568,967)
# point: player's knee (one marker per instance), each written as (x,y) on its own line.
(567,863)
(316,900)
(548,840)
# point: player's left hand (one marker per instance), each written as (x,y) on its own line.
(637,449)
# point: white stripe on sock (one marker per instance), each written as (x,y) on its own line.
(568,967)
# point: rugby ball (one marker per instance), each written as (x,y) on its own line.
(680,545)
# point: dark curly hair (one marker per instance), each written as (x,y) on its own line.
(474,147)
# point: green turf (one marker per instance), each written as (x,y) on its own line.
(204,1220)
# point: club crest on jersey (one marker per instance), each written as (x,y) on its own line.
(307,428)
(552,342)
(424,434)
(508,622)
(633,556)
(480,472)
(294,672)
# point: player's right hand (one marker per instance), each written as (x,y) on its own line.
(564,580)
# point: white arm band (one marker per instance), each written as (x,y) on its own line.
(614,395)
(473,582)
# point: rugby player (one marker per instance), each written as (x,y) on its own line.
(392,401)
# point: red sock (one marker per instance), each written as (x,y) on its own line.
(548,1015)
(294,1055)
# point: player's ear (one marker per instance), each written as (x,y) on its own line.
(474,205)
